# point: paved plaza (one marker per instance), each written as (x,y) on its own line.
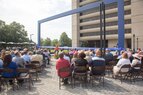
(48,85)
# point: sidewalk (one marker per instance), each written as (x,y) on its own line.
(48,85)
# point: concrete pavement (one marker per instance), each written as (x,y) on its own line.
(48,85)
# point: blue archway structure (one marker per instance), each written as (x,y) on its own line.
(121,29)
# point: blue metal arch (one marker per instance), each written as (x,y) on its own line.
(90,6)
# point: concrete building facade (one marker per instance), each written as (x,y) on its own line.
(86,25)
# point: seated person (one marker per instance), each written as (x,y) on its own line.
(123,61)
(135,61)
(1,63)
(97,61)
(108,56)
(26,56)
(18,60)
(37,57)
(61,63)
(11,65)
(81,62)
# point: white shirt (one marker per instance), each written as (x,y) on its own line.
(98,58)
(122,62)
(67,58)
(1,62)
(26,58)
(135,61)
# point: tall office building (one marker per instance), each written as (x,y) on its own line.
(86,25)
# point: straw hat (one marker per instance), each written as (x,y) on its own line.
(140,54)
(7,52)
(136,56)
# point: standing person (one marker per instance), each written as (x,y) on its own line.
(56,49)
(61,63)
(46,56)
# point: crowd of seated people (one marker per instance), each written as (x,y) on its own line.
(74,57)
(88,58)
(14,59)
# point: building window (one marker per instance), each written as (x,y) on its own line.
(111,32)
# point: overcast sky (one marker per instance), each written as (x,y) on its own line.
(28,12)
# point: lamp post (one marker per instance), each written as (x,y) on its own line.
(134,42)
(30,40)
(137,42)
(31,37)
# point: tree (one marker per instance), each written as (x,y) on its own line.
(64,40)
(55,42)
(84,44)
(2,33)
(46,42)
(42,41)
(17,32)
(14,32)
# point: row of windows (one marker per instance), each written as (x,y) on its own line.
(128,21)
(107,7)
(81,0)
(107,16)
(92,43)
(107,33)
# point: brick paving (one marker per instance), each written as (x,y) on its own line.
(48,85)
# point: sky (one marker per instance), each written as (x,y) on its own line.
(28,12)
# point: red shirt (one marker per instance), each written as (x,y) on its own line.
(56,48)
(60,64)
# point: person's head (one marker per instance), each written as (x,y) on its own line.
(75,55)
(107,50)
(61,55)
(25,51)
(87,53)
(45,50)
(82,55)
(136,56)
(98,52)
(125,55)
(16,52)
(7,60)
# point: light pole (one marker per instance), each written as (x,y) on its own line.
(31,37)
(134,42)
(30,41)
(137,42)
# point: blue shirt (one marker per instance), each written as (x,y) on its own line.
(13,66)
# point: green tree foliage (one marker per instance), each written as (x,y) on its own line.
(42,41)
(46,42)
(64,40)
(14,32)
(84,44)
(55,42)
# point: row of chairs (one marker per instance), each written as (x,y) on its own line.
(22,74)
(83,77)
(131,73)
(126,72)
(27,74)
